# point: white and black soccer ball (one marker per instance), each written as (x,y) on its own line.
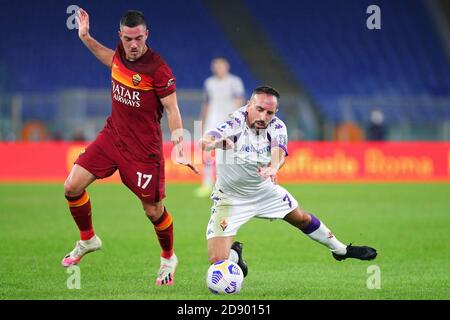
(224,277)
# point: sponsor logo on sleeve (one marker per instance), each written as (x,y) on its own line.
(170,82)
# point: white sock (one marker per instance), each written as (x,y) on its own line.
(325,237)
(233,256)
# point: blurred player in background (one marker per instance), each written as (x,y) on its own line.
(377,129)
(223,94)
(251,148)
(142,87)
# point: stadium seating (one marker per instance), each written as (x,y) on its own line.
(41,54)
(331,51)
(325,43)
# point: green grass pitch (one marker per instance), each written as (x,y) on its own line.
(409,225)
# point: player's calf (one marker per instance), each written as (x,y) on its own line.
(315,229)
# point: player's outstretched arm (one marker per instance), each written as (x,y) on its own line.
(176,127)
(208,143)
(276,162)
(104,54)
(277,158)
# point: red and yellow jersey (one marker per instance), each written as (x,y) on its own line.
(136,90)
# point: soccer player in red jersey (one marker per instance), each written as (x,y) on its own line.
(142,87)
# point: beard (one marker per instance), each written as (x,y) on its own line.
(262,125)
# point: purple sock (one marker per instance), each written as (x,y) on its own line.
(312,226)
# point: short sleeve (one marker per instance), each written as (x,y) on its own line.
(238,88)
(278,135)
(164,81)
(231,127)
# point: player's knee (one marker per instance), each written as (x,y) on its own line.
(153,212)
(305,219)
(299,218)
(71,188)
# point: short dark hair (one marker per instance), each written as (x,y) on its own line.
(267,90)
(133,18)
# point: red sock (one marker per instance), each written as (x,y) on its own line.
(80,208)
(164,231)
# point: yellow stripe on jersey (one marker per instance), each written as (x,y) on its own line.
(125,77)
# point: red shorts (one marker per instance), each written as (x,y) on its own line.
(146,179)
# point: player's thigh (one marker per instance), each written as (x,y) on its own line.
(78,180)
(228,214)
(275,203)
(99,160)
(145,180)
(219,248)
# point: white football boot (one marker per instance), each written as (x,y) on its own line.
(82,247)
(166,271)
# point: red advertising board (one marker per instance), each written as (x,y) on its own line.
(307,162)
(393,161)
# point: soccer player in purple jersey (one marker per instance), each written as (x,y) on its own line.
(250,149)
